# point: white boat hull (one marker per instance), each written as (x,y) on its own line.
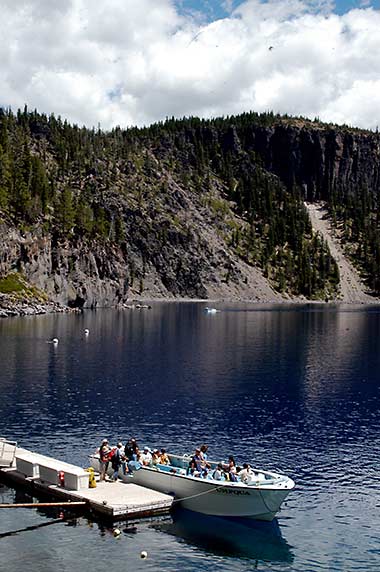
(216,498)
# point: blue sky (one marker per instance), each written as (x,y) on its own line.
(213,9)
(134,62)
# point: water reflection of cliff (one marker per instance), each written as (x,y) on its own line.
(208,351)
(341,352)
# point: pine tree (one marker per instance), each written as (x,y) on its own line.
(64,212)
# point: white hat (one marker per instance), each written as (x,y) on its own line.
(147,449)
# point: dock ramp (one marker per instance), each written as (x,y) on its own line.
(7,452)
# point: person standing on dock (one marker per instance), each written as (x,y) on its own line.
(116,461)
(104,452)
(123,459)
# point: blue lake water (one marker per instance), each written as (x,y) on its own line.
(291,388)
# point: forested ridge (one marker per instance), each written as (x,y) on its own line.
(151,197)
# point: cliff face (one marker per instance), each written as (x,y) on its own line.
(320,161)
(187,209)
(73,274)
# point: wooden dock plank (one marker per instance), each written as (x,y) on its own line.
(124,498)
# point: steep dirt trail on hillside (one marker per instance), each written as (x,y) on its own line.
(352,288)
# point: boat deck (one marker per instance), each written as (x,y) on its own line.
(113,499)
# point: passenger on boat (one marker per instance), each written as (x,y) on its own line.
(131,450)
(104,452)
(205,470)
(246,473)
(198,460)
(201,466)
(204,449)
(146,457)
(155,457)
(232,472)
(192,468)
(218,472)
(164,459)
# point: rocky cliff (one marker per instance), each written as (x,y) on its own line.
(159,262)
(190,209)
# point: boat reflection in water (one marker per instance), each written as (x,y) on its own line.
(238,537)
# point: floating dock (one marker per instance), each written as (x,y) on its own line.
(43,475)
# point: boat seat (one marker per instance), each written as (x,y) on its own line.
(170,469)
(164,468)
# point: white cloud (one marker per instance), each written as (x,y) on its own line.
(136,61)
(359,104)
(255,12)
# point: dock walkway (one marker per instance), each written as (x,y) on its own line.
(113,499)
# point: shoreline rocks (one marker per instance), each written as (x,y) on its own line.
(10,307)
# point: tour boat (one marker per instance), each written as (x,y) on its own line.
(260,498)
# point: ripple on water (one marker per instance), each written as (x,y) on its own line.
(295,391)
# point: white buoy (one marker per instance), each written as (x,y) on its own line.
(116,532)
(143,554)
(86,332)
(211,310)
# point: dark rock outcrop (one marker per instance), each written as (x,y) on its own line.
(321,160)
